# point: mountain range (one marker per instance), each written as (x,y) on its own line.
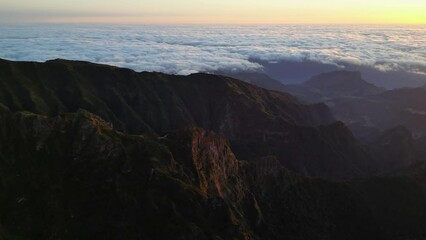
(297,72)
(90,151)
(368,110)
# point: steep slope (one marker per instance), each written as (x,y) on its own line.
(257,122)
(74,177)
(305,208)
(256,78)
(134,102)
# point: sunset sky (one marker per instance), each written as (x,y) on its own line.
(216,12)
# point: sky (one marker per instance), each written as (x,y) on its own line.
(214,12)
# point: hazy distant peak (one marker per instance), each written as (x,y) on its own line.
(342,83)
(336,77)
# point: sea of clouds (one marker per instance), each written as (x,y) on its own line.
(188,49)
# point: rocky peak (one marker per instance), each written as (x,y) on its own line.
(212,162)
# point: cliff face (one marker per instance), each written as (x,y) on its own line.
(257,122)
(213,165)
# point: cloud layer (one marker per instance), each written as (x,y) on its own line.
(187,49)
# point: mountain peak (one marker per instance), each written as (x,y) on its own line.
(342,83)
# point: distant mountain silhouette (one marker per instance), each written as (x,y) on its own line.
(383,111)
(365,108)
(332,85)
(296,72)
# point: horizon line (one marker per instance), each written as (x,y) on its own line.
(207,23)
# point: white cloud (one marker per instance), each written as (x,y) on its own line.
(188,49)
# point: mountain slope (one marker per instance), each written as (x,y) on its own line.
(366,109)
(256,78)
(74,177)
(257,122)
(123,95)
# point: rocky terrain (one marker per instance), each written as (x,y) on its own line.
(258,123)
(91,151)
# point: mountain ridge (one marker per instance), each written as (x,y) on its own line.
(257,122)
(94,151)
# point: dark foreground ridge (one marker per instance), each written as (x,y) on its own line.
(156,156)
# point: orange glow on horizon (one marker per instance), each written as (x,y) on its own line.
(310,16)
(217,12)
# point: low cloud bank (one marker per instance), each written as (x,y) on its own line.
(188,49)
